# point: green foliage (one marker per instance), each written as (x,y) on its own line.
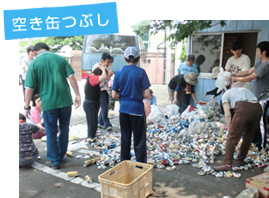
(183,52)
(56,43)
(182,29)
(24,44)
(141,28)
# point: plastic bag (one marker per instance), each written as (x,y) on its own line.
(197,127)
(222,82)
(77,146)
(78,132)
(213,104)
(156,114)
(172,110)
(189,115)
(205,112)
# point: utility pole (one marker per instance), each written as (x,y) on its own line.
(164,57)
(167,60)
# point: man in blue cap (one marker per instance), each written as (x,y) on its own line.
(130,85)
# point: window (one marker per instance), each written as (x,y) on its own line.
(114,44)
(207,51)
(214,48)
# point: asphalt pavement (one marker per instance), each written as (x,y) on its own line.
(40,181)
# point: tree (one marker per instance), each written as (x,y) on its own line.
(180,30)
(183,51)
(141,28)
(56,43)
(24,44)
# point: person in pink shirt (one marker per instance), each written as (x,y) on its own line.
(36,116)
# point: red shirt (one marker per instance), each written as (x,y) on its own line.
(94,80)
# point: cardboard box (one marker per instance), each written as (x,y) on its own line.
(261,182)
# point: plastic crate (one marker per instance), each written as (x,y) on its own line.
(127,179)
(261,182)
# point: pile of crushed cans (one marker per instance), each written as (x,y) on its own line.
(195,138)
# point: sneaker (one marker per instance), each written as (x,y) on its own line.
(48,163)
(91,140)
(223,167)
(101,126)
(109,128)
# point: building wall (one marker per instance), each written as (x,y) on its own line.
(154,69)
(232,26)
(75,62)
(260,26)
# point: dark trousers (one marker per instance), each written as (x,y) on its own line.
(131,124)
(23,89)
(186,100)
(57,146)
(103,117)
(91,109)
(259,138)
(244,123)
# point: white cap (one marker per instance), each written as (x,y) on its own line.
(131,51)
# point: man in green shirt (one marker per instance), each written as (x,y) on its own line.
(50,72)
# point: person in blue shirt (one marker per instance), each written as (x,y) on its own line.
(188,66)
(152,98)
(130,85)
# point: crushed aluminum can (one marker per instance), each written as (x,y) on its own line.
(188,159)
(236,175)
(207,169)
(219,174)
(94,160)
(87,163)
(88,179)
(72,174)
(69,154)
(89,153)
(112,164)
(79,157)
(150,161)
(261,165)
(101,167)
(201,173)
(245,167)
(160,166)
(86,156)
(170,161)
(228,174)
(180,141)
(186,162)
(236,168)
(180,161)
(196,165)
(170,168)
